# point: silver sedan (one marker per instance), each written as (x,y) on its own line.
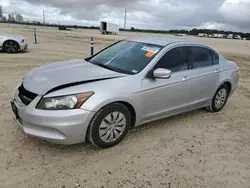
(131,82)
(13,43)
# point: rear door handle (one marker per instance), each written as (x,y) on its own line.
(184,78)
(216,70)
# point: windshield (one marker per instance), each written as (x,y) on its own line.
(126,56)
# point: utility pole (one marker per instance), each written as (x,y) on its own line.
(125,17)
(15,16)
(43,18)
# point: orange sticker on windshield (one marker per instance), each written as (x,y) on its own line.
(149,54)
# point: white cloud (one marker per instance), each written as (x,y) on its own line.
(153,14)
(4,3)
(213,25)
(236,10)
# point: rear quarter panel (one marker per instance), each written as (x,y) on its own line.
(229,73)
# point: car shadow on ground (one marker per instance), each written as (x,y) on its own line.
(20,52)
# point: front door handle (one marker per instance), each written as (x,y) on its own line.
(184,78)
(216,70)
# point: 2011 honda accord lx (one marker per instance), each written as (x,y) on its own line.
(131,82)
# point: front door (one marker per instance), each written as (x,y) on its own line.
(163,97)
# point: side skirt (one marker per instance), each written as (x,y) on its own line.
(178,111)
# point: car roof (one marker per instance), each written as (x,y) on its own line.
(162,41)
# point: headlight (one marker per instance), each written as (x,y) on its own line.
(23,41)
(64,102)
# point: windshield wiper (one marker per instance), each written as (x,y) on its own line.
(110,68)
(105,66)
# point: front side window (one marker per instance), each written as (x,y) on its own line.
(127,57)
(175,60)
(201,57)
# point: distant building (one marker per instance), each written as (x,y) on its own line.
(15,18)
(180,34)
(219,35)
(230,36)
(202,35)
(11,17)
(36,22)
(19,18)
(3,19)
(237,37)
(1,12)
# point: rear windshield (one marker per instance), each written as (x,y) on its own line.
(127,56)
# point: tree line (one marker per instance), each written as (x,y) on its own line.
(132,29)
(191,32)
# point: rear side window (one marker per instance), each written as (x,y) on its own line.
(174,60)
(201,57)
(215,58)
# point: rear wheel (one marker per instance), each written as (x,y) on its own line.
(220,98)
(109,125)
(11,46)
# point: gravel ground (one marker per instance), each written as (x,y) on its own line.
(196,149)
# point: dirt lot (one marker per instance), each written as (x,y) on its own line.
(197,149)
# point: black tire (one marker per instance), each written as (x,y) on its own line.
(213,107)
(11,46)
(94,126)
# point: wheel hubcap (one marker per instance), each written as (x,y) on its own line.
(220,98)
(11,46)
(112,126)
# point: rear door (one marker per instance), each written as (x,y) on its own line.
(204,75)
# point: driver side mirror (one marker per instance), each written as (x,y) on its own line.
(162,73)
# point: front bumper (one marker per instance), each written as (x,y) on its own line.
(61,127)
(23,46)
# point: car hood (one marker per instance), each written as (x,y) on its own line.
(3,35)
(59,75)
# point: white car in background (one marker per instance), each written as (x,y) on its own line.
(12,43)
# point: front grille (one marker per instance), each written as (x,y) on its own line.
(26,96)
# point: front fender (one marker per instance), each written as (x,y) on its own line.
(94,106)
(16,39)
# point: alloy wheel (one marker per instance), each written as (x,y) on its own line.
(220,98)
(11,47)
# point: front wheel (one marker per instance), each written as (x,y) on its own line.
(109,125)
(11,46)
(220,98)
